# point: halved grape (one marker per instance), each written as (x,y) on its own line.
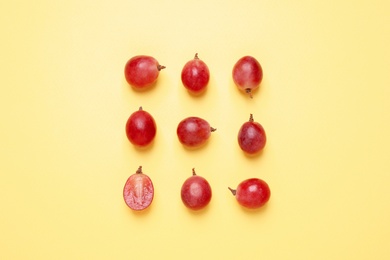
(138,191)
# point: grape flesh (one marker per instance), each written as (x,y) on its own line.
(195,75)
(142,71)
(196,192)
(251,137)
(141,128)
(194,131)
(247,74)
(138,191)
(252,193)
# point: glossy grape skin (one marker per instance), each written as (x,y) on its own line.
(142,71)
(252,193)
(196,192)
(193,132)
(251,137)
(141,128)
(138,191)
(195,75)
(247,74)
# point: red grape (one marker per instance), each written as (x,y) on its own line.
(251,137)
(195,75)
(142,71)
(194,131)
(141,128)
(252,193)
(138,191)
(247,74)
(196,192)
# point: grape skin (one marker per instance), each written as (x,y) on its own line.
(142,71)
(195,75)
(194,131)
(247,74)
(252,193)
(196,192)
(141,128)
(252,137)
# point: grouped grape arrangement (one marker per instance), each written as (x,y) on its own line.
(141,72)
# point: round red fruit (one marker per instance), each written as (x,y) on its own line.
(196,192)
(142,71)
(193,132)
(141,128)
(195,75)
(251,137)
(252,193)
(247,74)
(138,191)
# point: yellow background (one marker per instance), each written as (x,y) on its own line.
(324,103)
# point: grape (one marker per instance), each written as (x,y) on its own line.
(251,137)
(194,131)
(141,128)
(247,74)
(252,193)
(196,192)
(142,71)
(138,191)
(195,75)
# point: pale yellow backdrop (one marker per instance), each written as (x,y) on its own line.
(324,103)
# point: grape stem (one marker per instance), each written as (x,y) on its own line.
(233,191)
(193,171)
(249,92)
(251,118)
(212,129)
(139,170)
(196,56)
(160,67)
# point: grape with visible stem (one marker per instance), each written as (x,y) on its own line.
(141,128)
(193,132)
(247,74)
(138,191)
(251,137)
(195,75)
(196,192)
(252,193)
(142,71)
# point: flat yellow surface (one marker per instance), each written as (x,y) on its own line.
(324,103)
